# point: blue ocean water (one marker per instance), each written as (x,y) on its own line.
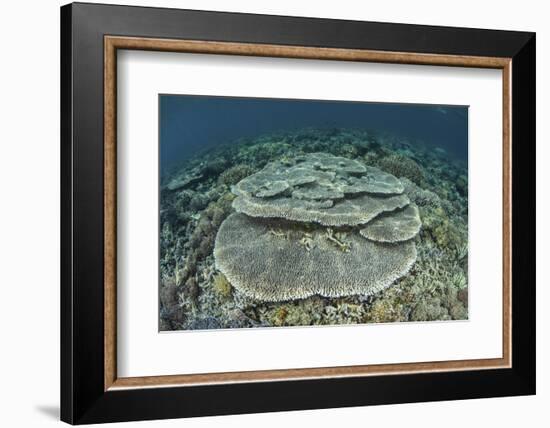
(190,124)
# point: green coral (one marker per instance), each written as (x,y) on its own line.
(301,312)
(344,313)
(280,315)
(222,286)
(429,310)
(402,166)
(446,232)
(387,308)
(235,174)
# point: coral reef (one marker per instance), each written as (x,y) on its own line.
(235,174)
(402,166)
(262,255)
(195,295)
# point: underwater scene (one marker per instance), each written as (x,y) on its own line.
(281,212)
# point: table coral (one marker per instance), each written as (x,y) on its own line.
(267,251)
(270,268)
(395,227)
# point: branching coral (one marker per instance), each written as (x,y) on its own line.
(234,174)
(337,239)
(278,232)
(307,241)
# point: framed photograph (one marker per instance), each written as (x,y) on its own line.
(266,213)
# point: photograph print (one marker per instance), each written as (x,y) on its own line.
(288,212)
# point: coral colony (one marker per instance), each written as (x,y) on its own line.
(314,227)
(275,260)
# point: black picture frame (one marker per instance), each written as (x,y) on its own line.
(83,397)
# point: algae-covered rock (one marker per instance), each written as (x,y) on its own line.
(182,182)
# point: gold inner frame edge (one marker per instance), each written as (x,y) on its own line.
(113,43)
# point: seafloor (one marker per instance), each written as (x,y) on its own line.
(196,198)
